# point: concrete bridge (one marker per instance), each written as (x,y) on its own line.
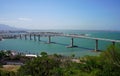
(37,35)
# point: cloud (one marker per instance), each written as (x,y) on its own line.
(24,19)
(5,20)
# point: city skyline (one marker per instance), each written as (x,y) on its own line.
(61,14)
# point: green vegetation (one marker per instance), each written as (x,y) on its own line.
(40,66)
(2,54)
(10,68)
(106,64)
(7,73)
(43,54)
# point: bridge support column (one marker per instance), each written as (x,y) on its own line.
(25,37)
(30,37)
(34,37)
(38,37)
(49,39)
(96,45)
(72,42)
(20,36)
(15,36)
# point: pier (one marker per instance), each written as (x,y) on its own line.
(37,35)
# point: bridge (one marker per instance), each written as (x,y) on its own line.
(38,35)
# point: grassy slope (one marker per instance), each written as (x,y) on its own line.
(13,68)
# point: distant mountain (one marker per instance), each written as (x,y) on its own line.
(7,27)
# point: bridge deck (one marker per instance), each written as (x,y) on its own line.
(93,38)
(58,34)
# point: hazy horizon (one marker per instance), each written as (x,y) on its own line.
(61,14)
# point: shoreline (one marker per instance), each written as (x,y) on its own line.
(29,54)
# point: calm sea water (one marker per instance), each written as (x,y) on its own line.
(59,46)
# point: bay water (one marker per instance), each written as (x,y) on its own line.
(85,46)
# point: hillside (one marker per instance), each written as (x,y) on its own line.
(7,27)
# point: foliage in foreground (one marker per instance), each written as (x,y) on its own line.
(7,73)
(106,64)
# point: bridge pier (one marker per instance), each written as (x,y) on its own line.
(20,36)
(96,45)
(38,37)
(25,37)
(15,36)
(30,37)
(34,37)
(72,43)
(49,39)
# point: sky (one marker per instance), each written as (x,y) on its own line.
(61,14)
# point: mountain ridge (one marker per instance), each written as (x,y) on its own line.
(5,27)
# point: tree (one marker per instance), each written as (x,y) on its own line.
(2,54)
(40,66)
(73,55)
(44,54)
(106,64)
